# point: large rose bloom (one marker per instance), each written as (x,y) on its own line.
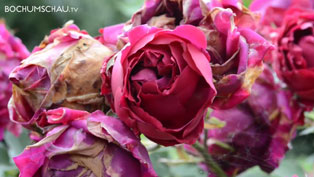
(162,83)
(294,60)
(12,51)
(87,144)
(236,50)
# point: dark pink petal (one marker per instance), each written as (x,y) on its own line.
(259,130)
(110,34)
(30,161)
(198,38)
(65,115)
(95,146)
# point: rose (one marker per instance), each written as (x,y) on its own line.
(289,24)
(293,58)
(171,13)
(273,11)
(236,50)
(12,51)
(256,132)
(87,144)
(63,71)
(161,83)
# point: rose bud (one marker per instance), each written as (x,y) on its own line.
(236,50)
(63,71)
(293,59)
(256,132)
(161,83)
(88,144)
(12,51)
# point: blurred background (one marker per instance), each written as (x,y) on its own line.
(93,15)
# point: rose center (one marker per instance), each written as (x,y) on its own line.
(155,68)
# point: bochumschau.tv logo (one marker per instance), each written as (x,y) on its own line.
(40,8)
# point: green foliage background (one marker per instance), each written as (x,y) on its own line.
(93,15)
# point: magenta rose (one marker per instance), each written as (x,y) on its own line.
(87,144)
(161,83)
(12,51)
(272,13)
(256,132)
(64,70)
(293,59)
(236,50)
(288,25)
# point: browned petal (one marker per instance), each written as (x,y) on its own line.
(78,81)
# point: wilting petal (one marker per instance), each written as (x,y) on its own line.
(62,71)
(97,145)
(256,132)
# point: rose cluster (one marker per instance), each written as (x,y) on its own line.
(168,72)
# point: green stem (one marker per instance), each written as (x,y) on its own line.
(205,138)
(210,162)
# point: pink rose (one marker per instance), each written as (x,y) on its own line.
(289,24)
(12,51)
(87,144)
(236,50)
(293,58)
(162,83)
(257,131)
(273,12)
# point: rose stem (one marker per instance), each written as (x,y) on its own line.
(209,160)
(205,138)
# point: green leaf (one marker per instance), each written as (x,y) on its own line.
(307,164)
(8,171)
(309,115)
(11,173)
(247,3)
(223,145)
(214,123)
